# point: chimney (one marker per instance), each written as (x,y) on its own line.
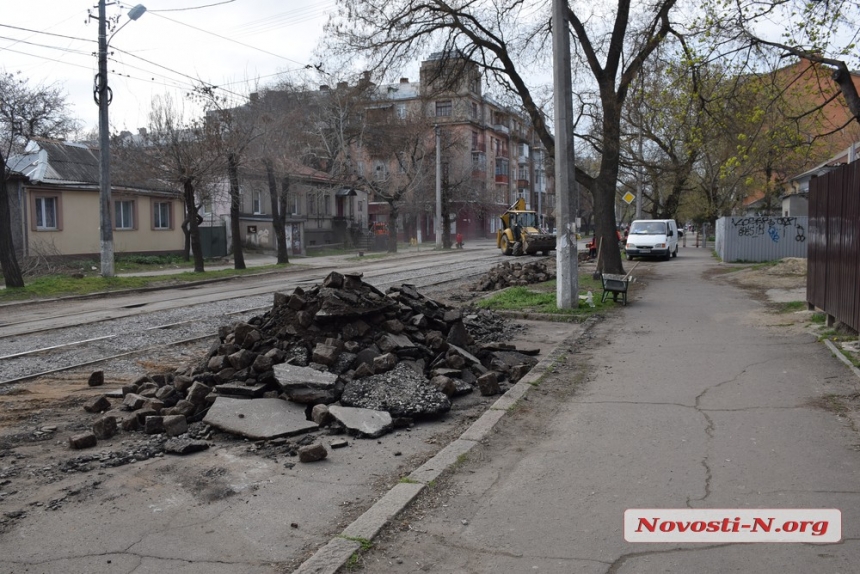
(342,85)
(404,80)
(324,88)
(255,97)
(142,132)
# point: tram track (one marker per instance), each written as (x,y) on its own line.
(128,340)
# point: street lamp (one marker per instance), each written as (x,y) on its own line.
(103,98)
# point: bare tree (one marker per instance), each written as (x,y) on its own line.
(506,39)
(182,152)
(26,112)
(401,153)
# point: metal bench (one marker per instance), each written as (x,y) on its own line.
(615,284)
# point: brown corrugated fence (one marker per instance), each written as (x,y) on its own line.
(833,278)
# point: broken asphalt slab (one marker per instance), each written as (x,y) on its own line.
(259,419)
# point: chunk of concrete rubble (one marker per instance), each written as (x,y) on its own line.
(83,440)
(258,419)
(363,422)
(312,453)
(471,359)
(401,392)
(184,446)
(308,386)
(488,384)
(105,427)
(243,390)
(97,379)
(97,405)
(174,425)
(320,415)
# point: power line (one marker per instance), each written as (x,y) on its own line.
(229,39)
(193,7)
(47,33)
(69,50)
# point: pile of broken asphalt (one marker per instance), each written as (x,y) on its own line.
(340,356)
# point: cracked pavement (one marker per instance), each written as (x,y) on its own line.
(677,401)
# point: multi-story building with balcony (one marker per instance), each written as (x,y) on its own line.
(490,153)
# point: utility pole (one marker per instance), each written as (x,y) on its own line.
(438,226)
(103,100)
(567,285)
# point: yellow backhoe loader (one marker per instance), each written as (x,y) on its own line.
(520,233)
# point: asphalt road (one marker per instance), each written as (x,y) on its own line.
(678,402)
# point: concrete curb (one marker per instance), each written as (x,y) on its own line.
(339,550)
(838,354)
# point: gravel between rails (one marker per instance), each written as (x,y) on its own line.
(149,331)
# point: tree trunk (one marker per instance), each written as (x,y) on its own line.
(604,190)
(186,231)
(277,212)
(11,271)
(235,228)
(392,228)
(193,226)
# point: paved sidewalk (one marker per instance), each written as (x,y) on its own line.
(687,404)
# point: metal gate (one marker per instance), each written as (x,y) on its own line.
(213,241)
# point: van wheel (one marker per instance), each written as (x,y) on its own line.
(668,255)
(629,257)
(675,254)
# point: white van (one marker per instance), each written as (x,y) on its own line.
(653,238)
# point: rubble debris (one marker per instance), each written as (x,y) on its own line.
(258,418)
(362,422)
(312,453)
(184,446)
(509,274)
(340,354)
(83,440)
(105,427)
(402,392)
(97,405)
(97,379)
(308,386)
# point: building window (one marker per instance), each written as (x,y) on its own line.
(380,170)
(311,204)
(479,161)
(256,202)
(46,213)
(360,206)
(161,215)
(475,112)
(400,110)
(501,166)
(327,204)
(124,214)
(443,108)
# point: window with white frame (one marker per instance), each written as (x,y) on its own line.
(400,110)
(46,213)
(256,201)
(380,170)
(161,215)
(360,205)
(124,214)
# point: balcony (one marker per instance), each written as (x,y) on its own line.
(502,128)
(522,184)
(502,178)
(480,146)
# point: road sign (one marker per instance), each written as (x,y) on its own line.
(628,197)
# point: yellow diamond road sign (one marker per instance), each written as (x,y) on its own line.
(628,197)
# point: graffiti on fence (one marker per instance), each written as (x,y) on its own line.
(776,228)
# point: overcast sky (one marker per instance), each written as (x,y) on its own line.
(225,43)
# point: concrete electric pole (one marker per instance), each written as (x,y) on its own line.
(567,196)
